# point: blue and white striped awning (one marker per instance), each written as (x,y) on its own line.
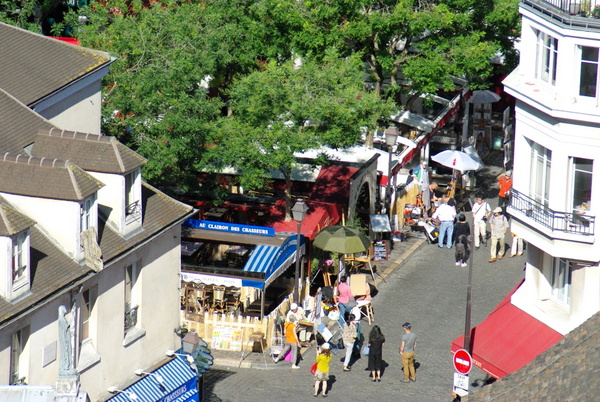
(271,261)
(179,385)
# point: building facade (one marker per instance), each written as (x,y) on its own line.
(556,188)
(89,253)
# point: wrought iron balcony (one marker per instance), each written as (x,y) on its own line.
(572,14)
(131,318)
(557,221)
(134,209)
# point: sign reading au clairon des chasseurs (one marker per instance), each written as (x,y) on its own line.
(230,227)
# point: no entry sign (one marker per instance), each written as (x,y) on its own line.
(462,361)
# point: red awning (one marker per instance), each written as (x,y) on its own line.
(333,184)
(507,339)
(319,215)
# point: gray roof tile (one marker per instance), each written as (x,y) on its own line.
(18,124)
(91,152)
(12,221)
(40,65)
(45,178)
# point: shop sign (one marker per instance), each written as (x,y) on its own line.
(230,227)
(211,279)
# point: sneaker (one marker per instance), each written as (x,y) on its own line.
(403,380)
(415,380)
(464,264)
(491,260)
(295,367)
(457,263)
(275,359)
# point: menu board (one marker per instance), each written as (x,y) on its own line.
(227,338)
(380,250)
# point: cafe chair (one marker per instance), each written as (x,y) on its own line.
(218,300)
(366,310)
(253,339)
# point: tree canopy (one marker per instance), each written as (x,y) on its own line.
(287,109)
(191,77)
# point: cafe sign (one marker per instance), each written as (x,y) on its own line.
(230,227)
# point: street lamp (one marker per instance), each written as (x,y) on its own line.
(466,345)
(190,342)
(391,135)
(299,213)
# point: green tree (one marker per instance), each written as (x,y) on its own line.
(286,109)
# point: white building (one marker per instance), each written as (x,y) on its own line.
(556,190)
(78,228)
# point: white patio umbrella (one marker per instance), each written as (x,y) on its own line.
(484,96)
(457,160)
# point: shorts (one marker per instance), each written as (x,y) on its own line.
(321,376)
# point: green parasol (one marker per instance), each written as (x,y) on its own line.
(342,239)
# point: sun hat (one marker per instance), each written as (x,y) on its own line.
(294,306)
(326,346)
(497,210)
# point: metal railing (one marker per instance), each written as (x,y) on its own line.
(135,209)
(573,14)
(131,318)
(557,221)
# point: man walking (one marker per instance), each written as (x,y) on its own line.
(481,213)
(498,227)
(407,351)
(505,184)
(446,214)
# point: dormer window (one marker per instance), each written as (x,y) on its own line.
(20,260)
(546,57)
(133,206)
(86,214)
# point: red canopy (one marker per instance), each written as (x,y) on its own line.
(507,339)
(319,215)
(333,184)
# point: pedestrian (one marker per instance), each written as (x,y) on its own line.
(407,351)
(517,246)
(498,227)
(505,184)
(429,198)
(344,294)
(291,342)
(461,227)
(462,251)
(446,214)
(349,337)
(481,213)
(322,373)
(376,342)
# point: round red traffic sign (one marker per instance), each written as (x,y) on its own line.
(462,361)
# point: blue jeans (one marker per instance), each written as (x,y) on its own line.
(343,309)
(446,230)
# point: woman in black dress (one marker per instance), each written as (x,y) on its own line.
(376,342)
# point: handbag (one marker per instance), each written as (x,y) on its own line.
(313,368)
(365,350)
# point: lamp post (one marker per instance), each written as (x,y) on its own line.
(391,135)
(466,345)
(299,213)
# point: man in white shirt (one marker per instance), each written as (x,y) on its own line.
(446,214)
(481,213)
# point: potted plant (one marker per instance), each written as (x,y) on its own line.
(596,12)
(584,11)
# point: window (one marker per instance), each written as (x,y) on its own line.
(20,259)
(131,276)
(88,299)
(581,183)
(546,57)
(540,173)
(132,203)
(86,214)
(561,280)
(19,341)
(588,78)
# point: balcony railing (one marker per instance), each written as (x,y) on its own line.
(131,318)
(557,221)
(134,209)
(573,14)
